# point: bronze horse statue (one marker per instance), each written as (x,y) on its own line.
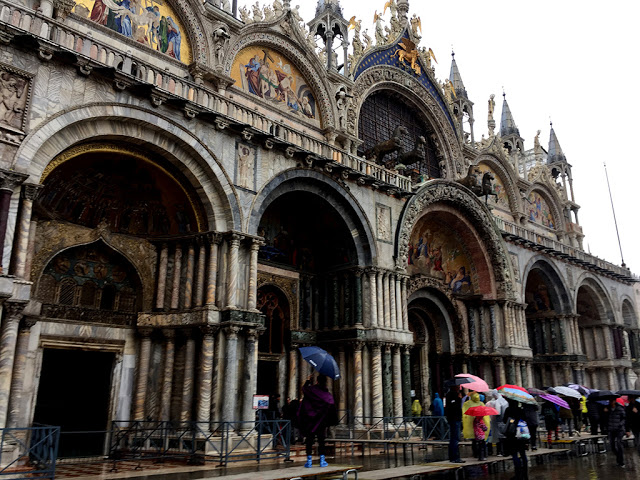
(487,186)
(472,180)
(415,155)
(378,152)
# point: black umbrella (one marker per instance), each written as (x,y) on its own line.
(458,381)
(603,395)
(635,393)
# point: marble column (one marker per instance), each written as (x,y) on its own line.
(177,267)
(144,355)
(334,321)
(205,381)
(213,269)
(188,283)
(385,300)
(397,383)
(473,343)
(250,377)
(29,192)
(31,249)
(232,273)
(252,291)
(511,373)
(608,341)
(376,382)
(406,381)
(367,382)
(16,407)
(380,298)
(202,265)
(518,371)
(357,383)
(405,309)
(187,381)
(387,383)
(342,384)
(373,296)
(563,334)
(392,301)
(347,290)
(162,276)
(294,384)
(493,327)
(9,181)
(398,302)
(167,380)
(357,299)
(484,341)
(230,389)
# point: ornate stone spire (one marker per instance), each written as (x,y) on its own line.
(555,154)
(456,79)
(333,5)
(507,124)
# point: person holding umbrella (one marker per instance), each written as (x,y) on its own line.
(633,420)
(317,412)
(550,414)
(617,421)
(516,446)
(453,412)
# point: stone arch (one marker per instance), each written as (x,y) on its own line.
(324,186)
(138,253)
(191,13)
(552,199)
(446,331)
(310,71)
(597,293)
(389,78)
(462,204)
(553,277)
(135,125)
(507,177)
(629,317)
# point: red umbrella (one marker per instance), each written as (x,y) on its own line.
(623,401)
(481,411)
(506,385)
(477,384)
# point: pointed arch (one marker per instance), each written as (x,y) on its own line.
(507,177)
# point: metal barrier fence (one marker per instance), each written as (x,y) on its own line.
(200,442)
(389,428)
(30,452)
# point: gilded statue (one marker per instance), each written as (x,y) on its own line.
(408,52)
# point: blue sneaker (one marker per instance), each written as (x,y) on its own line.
(323,463)
(308,464)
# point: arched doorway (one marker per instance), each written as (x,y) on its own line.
(549,326)
(432,358)
(274,305)
(88,285)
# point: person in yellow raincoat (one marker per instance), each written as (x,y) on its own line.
(416,408)
(467,421)
(584,411)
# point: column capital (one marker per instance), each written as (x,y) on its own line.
(256,243)
(234,238)
(27,323)
(214,238)
(208,330)
(232,331)
(145,331)
(376,347)
(169,333)
(358,271)
(387,347)
(357,346)
(253,334)
(10,180)
(30,190)
(13,310)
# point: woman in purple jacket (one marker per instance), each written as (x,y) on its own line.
(317,412)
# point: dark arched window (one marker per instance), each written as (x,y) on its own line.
(380,114)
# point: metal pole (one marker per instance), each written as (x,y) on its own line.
(614,215)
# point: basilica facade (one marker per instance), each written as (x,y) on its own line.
(191,191)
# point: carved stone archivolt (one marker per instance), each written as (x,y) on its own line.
(54,237)
(298,58)
(384,77)
(471,207)
(289,287)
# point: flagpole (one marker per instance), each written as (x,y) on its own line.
(614,214)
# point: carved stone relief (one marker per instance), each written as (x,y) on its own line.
(383,222)
(15,89)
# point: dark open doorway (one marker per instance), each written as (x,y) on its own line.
(74,394)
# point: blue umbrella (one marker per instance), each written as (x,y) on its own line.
(321,360)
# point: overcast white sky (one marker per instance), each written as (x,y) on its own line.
(571,61)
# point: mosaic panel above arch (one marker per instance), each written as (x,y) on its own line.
(270,75)
(153,23)
(436,250)
(538,210)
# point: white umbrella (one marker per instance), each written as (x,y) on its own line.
(568,392)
